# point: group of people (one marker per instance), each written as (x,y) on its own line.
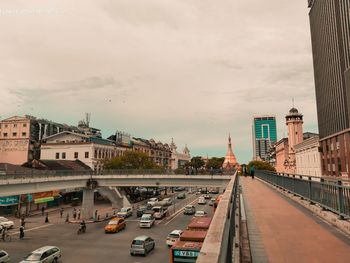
(251,171)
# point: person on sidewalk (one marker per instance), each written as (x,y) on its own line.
(23,222)
(61,212)
(74,213)
(42,211)
(21,232)
(67,218)
(96,215)
(47,218)
(79,214)
(252,171)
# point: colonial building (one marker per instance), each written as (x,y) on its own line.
(178,160)
(74,146)
(230,159)
(308,157)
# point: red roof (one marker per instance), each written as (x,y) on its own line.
(199,223)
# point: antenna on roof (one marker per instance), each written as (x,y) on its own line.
(87,119)
(293,101)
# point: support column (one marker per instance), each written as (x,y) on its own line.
(87,208)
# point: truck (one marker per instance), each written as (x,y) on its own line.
(185,251)
(199,224)
(159,211)
(193,235)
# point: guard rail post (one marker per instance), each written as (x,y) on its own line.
(310,190)
(340,199)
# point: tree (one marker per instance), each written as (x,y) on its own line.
(215,163)
(196,162)
(260,165)
(131,160)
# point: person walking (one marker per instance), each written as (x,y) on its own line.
(74,213)
(67,218)
(47,218)
(79,214)
(95,215)
(21,232)
(23,222)
(252,171)
(61,212)
(42,211)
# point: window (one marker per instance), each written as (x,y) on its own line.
(63,155)
(6,125)
(57,155)
(15,125)
(86,154)
(24,125)
(76,155)
(5,134)
(24,134)
(14,134)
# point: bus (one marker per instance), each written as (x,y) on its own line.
(199,223)
(185,251)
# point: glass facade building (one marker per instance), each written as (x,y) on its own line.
(264,135)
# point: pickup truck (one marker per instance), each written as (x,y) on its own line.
(159,212)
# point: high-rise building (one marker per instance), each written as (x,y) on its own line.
(264,136)
(330,35)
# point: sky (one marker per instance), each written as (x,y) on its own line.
(192,70)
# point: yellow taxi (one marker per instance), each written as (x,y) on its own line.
(115,225)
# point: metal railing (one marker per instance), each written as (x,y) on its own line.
(329,193)
(218,245)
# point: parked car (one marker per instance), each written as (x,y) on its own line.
(142,245)
(212,201)
(125,212)
(152,201)
(207,196)
(173,237)
(141,210)
(201,201)
(4,222)
(181,196)
(147,220)
(167,201)
(189,210)
(200,213)
(179,189)
(4,256)
(45,254)
(115,225)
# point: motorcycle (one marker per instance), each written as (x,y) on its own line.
(81,230)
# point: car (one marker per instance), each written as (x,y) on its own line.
(141,210)
(45,254)
(181,196)
(125,212)
(201,201)
(198,193)
(4,222)
(207,196)
(189,210)
(152,201)
(214,191)
(212,201)
(173,237)
(200,213)
(142,245)
(167,201)
(4,256)
(115,225)
(147,220)
(179,189)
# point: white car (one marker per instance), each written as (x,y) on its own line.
(4,222)
(167,201)
(47,254)
(152,201)
(125,212)
(173,237)
(4,256)
(147,220)
(200,213)
(202,201)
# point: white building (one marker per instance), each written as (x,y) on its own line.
(72,146)
(177,159)
(308,158)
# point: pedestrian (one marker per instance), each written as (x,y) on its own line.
(21,232)
(74,213)
(23,221)
(67,218)
(4,229)
(61,212)
(95,214)
(79,214)
(47,218)
(252,171)
(42,211)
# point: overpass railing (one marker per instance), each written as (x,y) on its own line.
(329,193)
(218,245)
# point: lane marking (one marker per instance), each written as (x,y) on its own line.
(30,229)
(179,212)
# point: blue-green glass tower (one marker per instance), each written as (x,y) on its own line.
(264,136)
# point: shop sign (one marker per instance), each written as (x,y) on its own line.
(9,200)
(43,200)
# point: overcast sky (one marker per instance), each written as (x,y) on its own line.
(193,70)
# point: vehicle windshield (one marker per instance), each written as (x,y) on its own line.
(153,199)
(142,208)
(146,217)
(156,209)
(124,209)
(114,222)
(188,207)
(137,242)
(33,257)
(173,235)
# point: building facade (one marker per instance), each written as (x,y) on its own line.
(330,36)
(178,160)
(308,158)
(264,136)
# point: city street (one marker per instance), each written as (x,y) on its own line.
(95,245)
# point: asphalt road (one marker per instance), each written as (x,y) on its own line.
(95,245)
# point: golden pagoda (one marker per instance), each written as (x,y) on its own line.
(230,158)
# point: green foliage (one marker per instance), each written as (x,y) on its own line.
(131,160)
(196,162)
(215,163)
(260,165)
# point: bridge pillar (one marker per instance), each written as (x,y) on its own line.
(88,204)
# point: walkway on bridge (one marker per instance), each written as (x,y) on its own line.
(280,230)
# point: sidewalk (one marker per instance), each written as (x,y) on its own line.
(282,231)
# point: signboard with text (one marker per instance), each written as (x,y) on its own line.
(9,200)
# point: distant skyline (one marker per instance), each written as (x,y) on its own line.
(192,70)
